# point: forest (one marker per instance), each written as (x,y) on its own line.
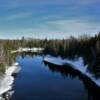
(86,46)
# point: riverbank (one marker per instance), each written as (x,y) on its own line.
(7,80)
(75,65)
(20,50)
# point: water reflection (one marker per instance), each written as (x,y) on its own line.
(66,71)
(30,54)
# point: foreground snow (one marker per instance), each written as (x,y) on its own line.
(6,80)
(35,50)
(77,65)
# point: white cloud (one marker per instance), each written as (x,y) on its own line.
(57,29)
(71,26)
(18,16)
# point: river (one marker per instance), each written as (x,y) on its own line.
(40,81)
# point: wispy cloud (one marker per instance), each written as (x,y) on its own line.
(18,16)
(58,29)
(68,27)
(63,17)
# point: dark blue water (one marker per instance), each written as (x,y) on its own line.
(36,81)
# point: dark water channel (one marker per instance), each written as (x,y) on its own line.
(40,81)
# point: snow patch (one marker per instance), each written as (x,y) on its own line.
(6,82)
(53,60)
(27,50)
(14,69)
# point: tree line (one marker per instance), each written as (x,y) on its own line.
(86,46)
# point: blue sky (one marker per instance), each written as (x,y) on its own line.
(48,18)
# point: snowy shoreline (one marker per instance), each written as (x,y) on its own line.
(76,65)
(7,79)
(34,50)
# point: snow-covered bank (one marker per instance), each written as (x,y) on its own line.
(34,50)
(56,61)
(14,69)
(7,80)
(76,65)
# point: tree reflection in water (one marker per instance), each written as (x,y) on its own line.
(66,71)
